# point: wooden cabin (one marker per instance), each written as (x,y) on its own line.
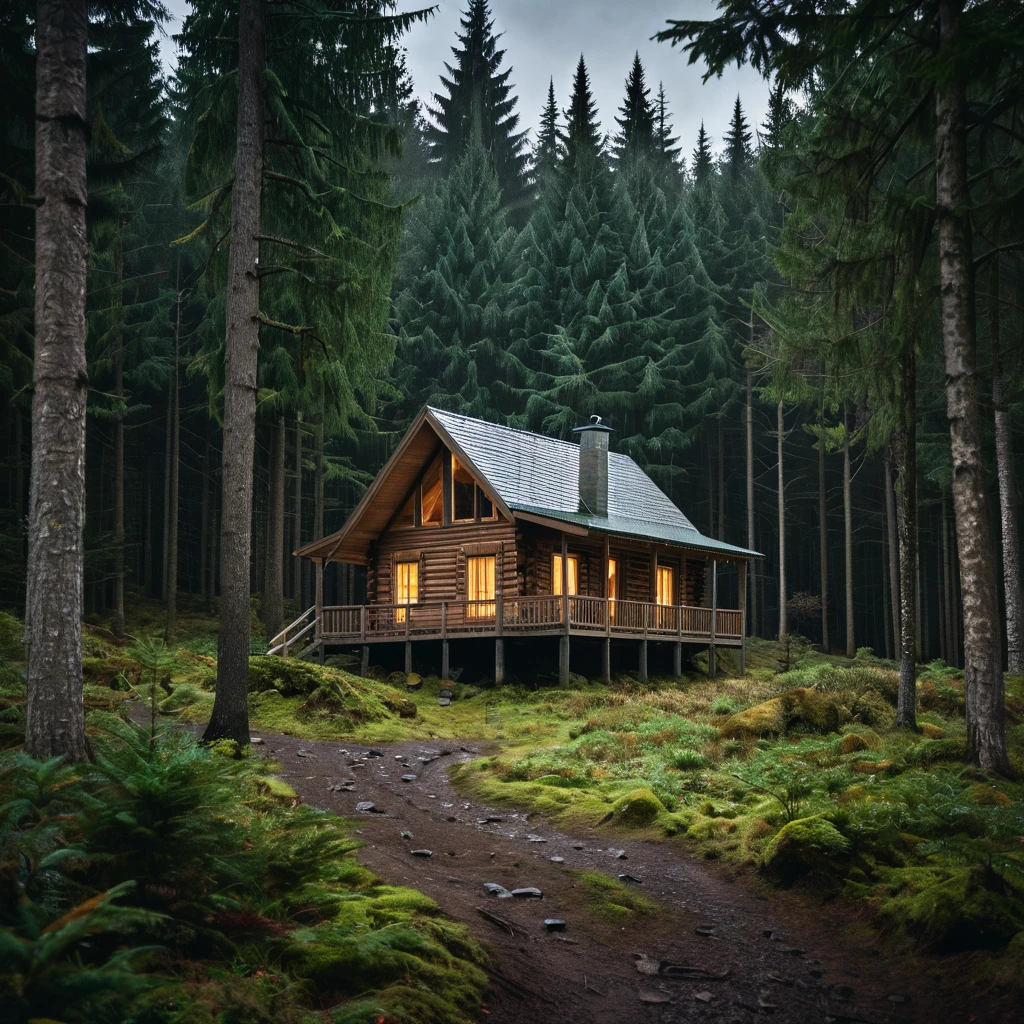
(475,530)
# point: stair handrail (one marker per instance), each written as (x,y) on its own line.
(282,640)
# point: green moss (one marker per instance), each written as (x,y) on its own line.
(806,846)
(11,631)
(637,809)
(609,898)
(953,748)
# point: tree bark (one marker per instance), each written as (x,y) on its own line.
(889,465)
(297,526)
(904,457)
(823,530)
(54,713)
(117,625)
(983,677)
(886,600)
(751,589)
(851,647)
(273,587)
(947,591)
(1013,597)
(230,717)
(783,618)
(173,489)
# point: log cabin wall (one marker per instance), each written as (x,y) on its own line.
(441,552)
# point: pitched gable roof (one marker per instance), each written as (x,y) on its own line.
(522,472)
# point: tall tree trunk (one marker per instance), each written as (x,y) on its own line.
(168,446)
(204,521)
(904,455)
(297,526)
(273,587)
(983,677)
(751,588)
(171,512)
(230,717)
(822,529)
(888,466)
(118,618)
(1008,519)
(783,618)
(851,647)
(721,482)
(54,712)
(211,585)
(947,590)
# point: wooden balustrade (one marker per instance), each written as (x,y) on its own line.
(539,613)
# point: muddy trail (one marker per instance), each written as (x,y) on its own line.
(735,952)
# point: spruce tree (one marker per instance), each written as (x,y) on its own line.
(548,150)
(475,81)
(584,151)
(636,135)
(737,142)
(666,145)
(703,164)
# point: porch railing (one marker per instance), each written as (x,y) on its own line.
(540,613)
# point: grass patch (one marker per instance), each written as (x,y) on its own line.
(610,899)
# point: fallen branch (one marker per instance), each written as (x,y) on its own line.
(499,921)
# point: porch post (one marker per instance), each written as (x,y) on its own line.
(364,669)
(712,667)
(563,643)
(606,659)
(742,578)
(643,661)
(318,601)
(499,641)
(563,660)
(677,659)
(445,667)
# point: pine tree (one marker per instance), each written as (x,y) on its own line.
(548,150)
(665,143)
(778,118)
(636,136)
(584,151)
(476,80)
(702,162)
(737,142)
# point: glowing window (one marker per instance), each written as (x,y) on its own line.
(666,584)
(432,496)
(407,586)
(574,575)
(480,586)
(613,586)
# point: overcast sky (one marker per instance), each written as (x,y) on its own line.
(544,38)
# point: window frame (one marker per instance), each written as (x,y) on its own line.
(556,558)
(412,584)
(488,609)
(669,572)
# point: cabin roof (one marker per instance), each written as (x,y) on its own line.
(523,472)
(540,475)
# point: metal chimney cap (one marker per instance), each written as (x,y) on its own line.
(594,424)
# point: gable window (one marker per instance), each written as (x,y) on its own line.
(432,496)
(463,493)
(666,584)
(407,586)
(487,510)
(480,586)
(613,586)
(573,575)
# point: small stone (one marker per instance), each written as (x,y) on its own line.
(422,853)
(365,806)
(528,893)
(447,805)
(896,999)
(656,998)
(357,764)
(557,860)
(792,951)
(618,854)
(257,741)
(577,846)
(398,757)
(779,980)
(373,753)
(408,778)
(304,753)
(451,817)
(536,839)
(705,930)
(405,835)
(443,702)
(841,993)
(704,997)
(500,891)
(554,924)
(630,878)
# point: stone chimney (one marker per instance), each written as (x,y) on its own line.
(594,467)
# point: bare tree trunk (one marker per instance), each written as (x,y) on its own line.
(751,589)
(297,526)
(888,466)
(54,712)
(904,454)
(721,482)
(204,517)
(171,623)
(273,587)
(823,529)
(118,619)
(851,647)
(1008,519)
(230,717)
(986,710)
(783,619)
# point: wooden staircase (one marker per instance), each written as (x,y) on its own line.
(294,640)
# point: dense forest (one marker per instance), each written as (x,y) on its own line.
(227,289)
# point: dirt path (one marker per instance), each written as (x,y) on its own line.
(784,954)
